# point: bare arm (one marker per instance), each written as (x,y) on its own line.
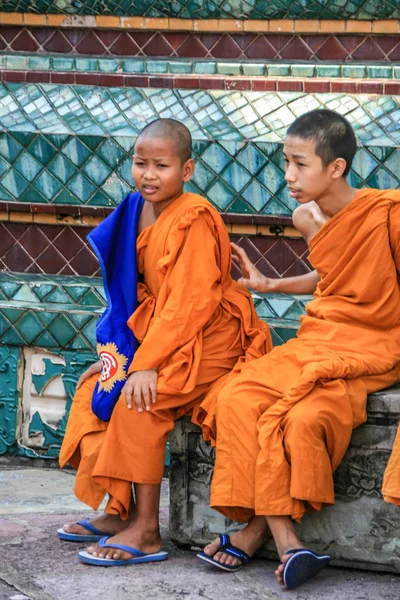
(254,279)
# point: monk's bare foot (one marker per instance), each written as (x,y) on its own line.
(137,536)
(106,523)
(249,540)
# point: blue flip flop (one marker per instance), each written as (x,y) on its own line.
(138,556)
(94,536)
(302,566)
(228,548)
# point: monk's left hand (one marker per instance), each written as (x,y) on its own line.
(141,388)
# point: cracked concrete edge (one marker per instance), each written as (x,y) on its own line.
(22,583)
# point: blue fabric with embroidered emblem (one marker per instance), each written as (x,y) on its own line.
(114,243)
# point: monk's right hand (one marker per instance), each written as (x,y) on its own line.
(92,370)
(141,388)
(251,276)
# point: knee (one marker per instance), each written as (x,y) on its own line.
(303,425)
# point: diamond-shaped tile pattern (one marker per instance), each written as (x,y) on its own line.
(49,311)
(239,46)
(50,249)
(61,312)
(73,144)
(221,9)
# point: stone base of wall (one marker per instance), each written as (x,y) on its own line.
(361,530)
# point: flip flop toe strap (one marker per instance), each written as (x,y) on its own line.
(91,528)
(134,551)
(227,547)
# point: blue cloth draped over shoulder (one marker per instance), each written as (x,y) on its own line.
(114,243)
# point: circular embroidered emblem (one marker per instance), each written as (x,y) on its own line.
(113,364)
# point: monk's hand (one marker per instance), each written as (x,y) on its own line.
(251,276)
(92,370)
(141,389)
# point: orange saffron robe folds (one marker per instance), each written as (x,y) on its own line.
(193,323)
(285,423)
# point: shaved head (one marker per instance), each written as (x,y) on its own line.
(169,129)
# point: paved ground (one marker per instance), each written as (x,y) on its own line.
(35,500)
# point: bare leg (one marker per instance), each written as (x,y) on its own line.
(143,531)
(106,522)
(286,538)
(249,539)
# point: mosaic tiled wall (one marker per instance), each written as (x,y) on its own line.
(73,144)
(78,80)
(237,9)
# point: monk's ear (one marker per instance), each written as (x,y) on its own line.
(188,170)
(338,167)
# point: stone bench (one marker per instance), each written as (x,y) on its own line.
(360,530)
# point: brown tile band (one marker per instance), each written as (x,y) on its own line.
(210,82)
(381,26)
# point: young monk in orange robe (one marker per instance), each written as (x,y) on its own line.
(193,323)
(284,425)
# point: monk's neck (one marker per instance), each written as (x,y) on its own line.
(337,198)
(159,207)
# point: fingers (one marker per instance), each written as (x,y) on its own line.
(153,389)
(137,394)
(128,390)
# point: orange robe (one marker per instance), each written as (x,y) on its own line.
(284,425)
(193,323)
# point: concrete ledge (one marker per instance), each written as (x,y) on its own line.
(360,530)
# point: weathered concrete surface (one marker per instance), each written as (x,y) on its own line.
(360,530)
(35,565)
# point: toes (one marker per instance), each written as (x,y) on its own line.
(211,549)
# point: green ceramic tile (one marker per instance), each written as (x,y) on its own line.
(184,68)
(328,71)
(108,65)
(380,72)
(86,64)
(27,166)
(303,70)
(157,66)
(62,168)
(133,65)
(63,63)
(278,70)
(16,62)
(253,70)
(205,68)
(229,68)
(354,71)
(39,63)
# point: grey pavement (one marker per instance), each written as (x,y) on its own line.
(36,499)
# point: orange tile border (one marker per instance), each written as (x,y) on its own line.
(256,26)
(385,26)
(208,25)
(230,25)
(13,18)
(307,26)
(55,20)
(281,26)
(354,26)
(182,24)
(331,26)
(31,19)
(108,22)
(310,26)
(22,217)
(153,23)
(132,23)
